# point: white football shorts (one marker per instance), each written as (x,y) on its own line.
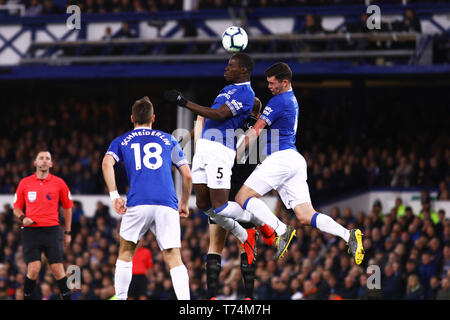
(212,164)
(284,171)
(162,221)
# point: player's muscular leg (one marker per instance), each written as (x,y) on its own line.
(217,236)
(126,250)
(202,196)
(33,269)
(218,197)
(172,257)
(304,212)
(58,270)
(245,193)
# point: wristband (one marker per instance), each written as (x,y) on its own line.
(114,195)
(69,233)
(22,217)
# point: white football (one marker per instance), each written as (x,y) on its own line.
(234,39)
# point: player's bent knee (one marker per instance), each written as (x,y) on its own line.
(203,204)
(33,270)
(172,257)
(58,270)
(241,197)
(304,212)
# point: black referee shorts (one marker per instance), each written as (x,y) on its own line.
(233,192)
(138,286)
(36,240)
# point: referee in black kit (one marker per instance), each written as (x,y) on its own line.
(41,193)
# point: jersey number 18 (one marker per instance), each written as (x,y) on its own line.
(147,155)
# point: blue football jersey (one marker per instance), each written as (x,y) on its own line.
(239,97)
(281,115)
(148,156)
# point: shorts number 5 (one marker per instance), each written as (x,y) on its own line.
(219,173)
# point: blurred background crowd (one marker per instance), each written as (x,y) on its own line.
(411,249)
(365,151)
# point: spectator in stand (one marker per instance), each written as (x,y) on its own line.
(126,6)
(50,8)
(410,22)
(152,6)
(414,289)
(444,193)
(170,5)
(391,284)
(402,174)
(138,7)
(434,175)
(108,34)
(125,31)
(427,211)
(433,289)
(350,289)
(102,6)
(427,269)
(34,8)
(310,291)
(312,25)
(90,6)
(444,292)
(116,6)
(445,266)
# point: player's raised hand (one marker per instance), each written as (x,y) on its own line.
(175,97)
(119,206)
(183,210)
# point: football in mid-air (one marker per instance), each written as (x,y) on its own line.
(234,39)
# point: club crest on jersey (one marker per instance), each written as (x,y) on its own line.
(32,196)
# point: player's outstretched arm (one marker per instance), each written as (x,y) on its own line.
(186,189)
(223,112)
(195,133)
(251,135)
(110,180)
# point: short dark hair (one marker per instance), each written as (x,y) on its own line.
(280,70)
(142,111)
(43,150)
(257,106)
(245,61)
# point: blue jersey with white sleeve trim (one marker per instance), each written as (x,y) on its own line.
(239,98)
(281,115)
(148,156)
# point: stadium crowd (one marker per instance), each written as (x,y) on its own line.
(412,250)
(338,162)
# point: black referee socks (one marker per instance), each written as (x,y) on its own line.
(65,291)
(28,288)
